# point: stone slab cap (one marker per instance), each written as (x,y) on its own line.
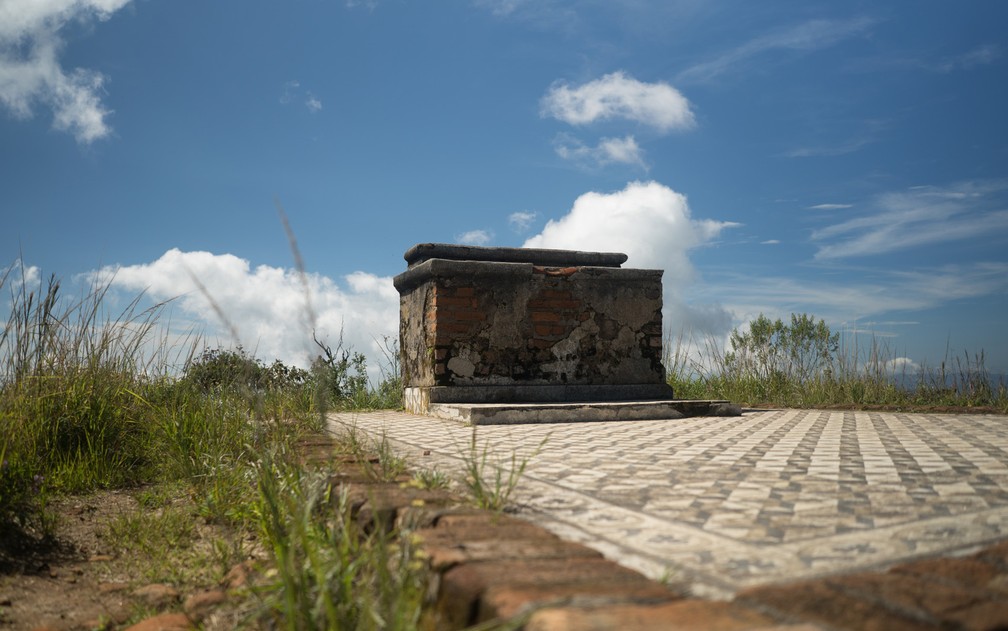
(541,257)
(423,271)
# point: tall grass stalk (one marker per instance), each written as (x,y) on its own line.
(491,484)
(331,574)
(69,374)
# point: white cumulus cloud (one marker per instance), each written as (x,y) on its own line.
(30,70)
(902,366)
(18,275)
(618,96)
(648,221)
(474,237)
(651,224)
(267,305)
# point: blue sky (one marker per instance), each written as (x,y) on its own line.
(848,160)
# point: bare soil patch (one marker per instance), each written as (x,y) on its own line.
(83,578)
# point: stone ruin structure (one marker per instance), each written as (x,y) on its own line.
(527,326)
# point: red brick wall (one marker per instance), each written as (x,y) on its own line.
(497,331)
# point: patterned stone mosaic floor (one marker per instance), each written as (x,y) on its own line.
(729,502)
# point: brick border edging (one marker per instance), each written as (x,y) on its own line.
(488,566)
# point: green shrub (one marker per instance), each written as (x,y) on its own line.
(801,364)
(776,353)
(218,369)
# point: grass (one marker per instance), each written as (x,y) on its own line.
(802,364)
(91,400)
(491,484)
(331,573)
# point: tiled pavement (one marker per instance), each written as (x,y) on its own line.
(721,504)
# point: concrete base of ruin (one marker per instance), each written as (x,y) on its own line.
(515,335)
(510,405)
(525,413)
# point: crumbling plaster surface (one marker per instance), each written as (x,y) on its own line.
(416,356)
(544,326)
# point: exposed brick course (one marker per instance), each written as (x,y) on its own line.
(485,323)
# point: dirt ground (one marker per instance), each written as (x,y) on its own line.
(80,579)
(91,575)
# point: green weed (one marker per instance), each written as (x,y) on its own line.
(330,573)
(378,459)
(490,485)
(430,479)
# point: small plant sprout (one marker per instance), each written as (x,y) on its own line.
(430,479)
(390,465)
(490,485)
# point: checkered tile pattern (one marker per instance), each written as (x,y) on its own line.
(727,502)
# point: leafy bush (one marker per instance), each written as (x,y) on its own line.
(776,352)
(218,369)
(341,373)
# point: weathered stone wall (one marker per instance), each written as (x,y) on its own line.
(480,323)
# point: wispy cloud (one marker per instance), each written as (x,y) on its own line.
(978,56)
(618,96)
(919,216)
(841,148)
(521,221)
(865,294)
(292,93)
(830,206)
(804,37)
(770,242)
(30,70)
(550,15)
(863,134)
(501,7)
(608,151)
(474,237)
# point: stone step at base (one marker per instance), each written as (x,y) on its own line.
(523,413)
